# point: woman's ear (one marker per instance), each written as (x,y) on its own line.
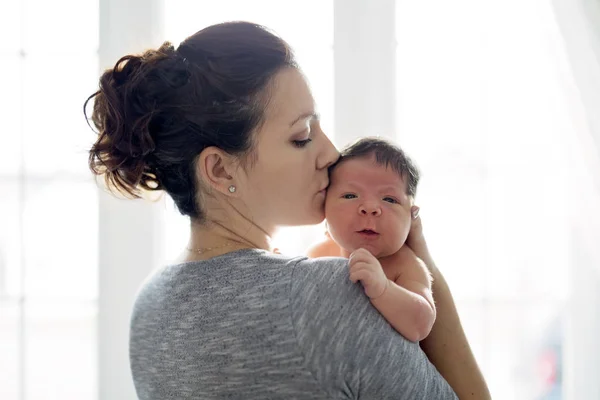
(216,169)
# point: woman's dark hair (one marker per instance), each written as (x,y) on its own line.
(157,111)
(387,155)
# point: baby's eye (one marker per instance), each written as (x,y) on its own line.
(390,200)
(348,196)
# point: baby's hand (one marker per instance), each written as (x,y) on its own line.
(364,267)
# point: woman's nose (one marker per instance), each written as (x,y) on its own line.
(329,154)
(369,209)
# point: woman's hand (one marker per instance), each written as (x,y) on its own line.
(415,235)
(447,346)
(416,228)
(416,240)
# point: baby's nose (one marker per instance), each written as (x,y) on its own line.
(369,209)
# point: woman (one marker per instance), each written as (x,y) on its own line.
(226,124)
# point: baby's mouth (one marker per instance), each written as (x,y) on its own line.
(368,232)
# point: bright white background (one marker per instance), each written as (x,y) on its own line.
(484,102)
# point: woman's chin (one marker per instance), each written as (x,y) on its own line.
(314,218)
(319,215)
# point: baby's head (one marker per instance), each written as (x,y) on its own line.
(371,192)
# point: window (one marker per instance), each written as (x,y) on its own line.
(48,205)
(479,108)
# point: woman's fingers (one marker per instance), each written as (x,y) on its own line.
(415,223)
(414,211)
(415,235)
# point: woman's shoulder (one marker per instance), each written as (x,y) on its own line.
(321,284)
(319,271)
(345,340)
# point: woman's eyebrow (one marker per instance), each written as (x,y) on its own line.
(312,115)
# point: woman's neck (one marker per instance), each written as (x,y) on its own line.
(208,240)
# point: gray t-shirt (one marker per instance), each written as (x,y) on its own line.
(254,325)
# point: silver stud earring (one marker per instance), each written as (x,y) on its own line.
(231,189)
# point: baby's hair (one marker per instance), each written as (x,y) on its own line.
(387,155)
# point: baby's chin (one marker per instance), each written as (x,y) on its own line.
(382,253)
(377,251)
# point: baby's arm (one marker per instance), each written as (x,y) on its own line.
(409,309)
(408,304)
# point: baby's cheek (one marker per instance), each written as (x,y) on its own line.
(337,216)
(330,206)
(328,197)
(335,220)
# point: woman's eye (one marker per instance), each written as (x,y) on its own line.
(390,200)
(349,196)
(301,143)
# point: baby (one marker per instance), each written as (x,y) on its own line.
(369,208)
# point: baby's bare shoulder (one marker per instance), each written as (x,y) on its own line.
(325,248)
(391,267)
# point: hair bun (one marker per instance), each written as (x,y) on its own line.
(126,113)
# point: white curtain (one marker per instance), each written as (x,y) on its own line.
(579,25)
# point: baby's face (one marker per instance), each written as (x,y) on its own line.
(367,206)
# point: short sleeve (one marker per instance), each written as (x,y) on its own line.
(348,346)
